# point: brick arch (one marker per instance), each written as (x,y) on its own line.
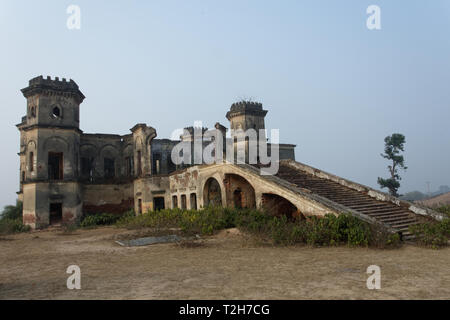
(239,192)
(212,193)
(304,203)
(276,205)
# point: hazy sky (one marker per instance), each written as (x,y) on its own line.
(331,86)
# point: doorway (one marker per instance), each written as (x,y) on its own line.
(158,203)
(55,213)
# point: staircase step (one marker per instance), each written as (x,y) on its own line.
(398,221)
(373,205)
(352,203)
(384,214)
(347,198)
(381,210)
(391,220)
(404,226)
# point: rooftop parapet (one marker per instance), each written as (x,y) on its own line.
(246,107)
(40,84)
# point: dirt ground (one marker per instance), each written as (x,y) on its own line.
(225,266)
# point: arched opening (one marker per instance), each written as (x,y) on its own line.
(56,112)
(174,202)
(240,193)
(237,198)
(212,194)
(278,206)
(193,201)
(183,202)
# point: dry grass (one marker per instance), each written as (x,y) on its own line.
(228,265)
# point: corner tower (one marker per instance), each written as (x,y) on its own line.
(49,152)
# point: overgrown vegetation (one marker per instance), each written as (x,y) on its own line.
(434,234)
(11,219)
(204,221)
(326,231)
(103,219)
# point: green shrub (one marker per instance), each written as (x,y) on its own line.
(154,219)
(9,226)
(101,219)
(324,231)
(204,221)
(11,219)
(12,212)
(381,238)
(433,234)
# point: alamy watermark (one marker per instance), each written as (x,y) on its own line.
(201,146)
(374,280)
(74,281)
(74,19)
(374,20)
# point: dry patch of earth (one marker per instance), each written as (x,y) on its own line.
(229,265)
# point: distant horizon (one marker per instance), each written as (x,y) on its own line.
(333,88)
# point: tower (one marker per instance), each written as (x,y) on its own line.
(49,152)
(247,116)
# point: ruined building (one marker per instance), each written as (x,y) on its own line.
(66,173)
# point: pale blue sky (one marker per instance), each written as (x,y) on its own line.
(331,86)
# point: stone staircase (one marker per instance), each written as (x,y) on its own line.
(397,217)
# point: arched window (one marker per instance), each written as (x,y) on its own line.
(56,112)
(33,111)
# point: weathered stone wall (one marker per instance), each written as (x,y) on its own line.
(146,189)
(185,183)
(107,198)
(98,147)
(38,197)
